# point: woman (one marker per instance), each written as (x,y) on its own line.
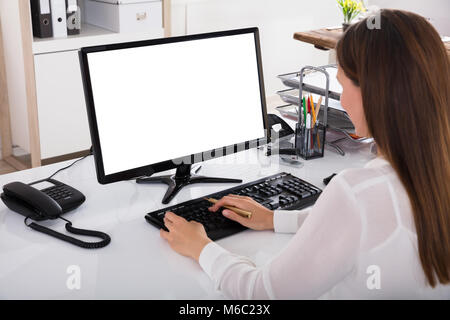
(391,217)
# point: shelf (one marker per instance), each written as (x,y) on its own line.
(90,36)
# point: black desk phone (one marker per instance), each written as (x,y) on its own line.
(29,200)
(49,199)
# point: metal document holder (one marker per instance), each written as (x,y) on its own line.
(310,142)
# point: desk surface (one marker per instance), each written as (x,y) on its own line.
(137,264)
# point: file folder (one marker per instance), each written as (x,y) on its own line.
(41,18)
(73,17)
(59,18)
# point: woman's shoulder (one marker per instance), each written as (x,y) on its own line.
(375,171)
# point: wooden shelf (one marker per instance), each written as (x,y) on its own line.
(90,35)
(323,38)
(326,39)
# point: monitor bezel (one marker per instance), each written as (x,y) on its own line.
(150,169)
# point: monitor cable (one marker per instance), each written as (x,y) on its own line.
(70,165)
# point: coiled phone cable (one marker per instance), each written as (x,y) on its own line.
(83,244)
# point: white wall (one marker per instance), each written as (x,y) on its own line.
(436,11)
(277,21)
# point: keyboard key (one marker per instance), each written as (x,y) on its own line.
(305,194)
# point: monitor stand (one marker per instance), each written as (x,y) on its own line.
(181,178)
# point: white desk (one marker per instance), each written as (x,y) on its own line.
(137,264)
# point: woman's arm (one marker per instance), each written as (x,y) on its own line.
(321,254)
(189,238)
(289,221)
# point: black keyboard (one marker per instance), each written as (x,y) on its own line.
(281,191)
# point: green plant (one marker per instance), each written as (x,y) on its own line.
(350,9)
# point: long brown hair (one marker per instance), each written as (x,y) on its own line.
(403,71)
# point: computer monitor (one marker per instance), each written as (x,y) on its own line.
(168,103)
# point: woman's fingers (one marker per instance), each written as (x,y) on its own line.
(172,217)
(164,234)
(171,220)
(168,217)
(240,197)
(235,217)
(168,224)
(235,196)
(227,201)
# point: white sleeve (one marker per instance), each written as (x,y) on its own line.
(289,221)
(321,254)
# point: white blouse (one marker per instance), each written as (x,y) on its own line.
(357,242)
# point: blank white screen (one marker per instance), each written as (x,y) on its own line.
(162,102)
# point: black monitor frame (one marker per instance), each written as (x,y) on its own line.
(168,164)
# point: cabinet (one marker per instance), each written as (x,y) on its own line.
(63,125)
(51,123)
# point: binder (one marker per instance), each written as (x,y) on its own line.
(41,18)
(59,19)
(73,17)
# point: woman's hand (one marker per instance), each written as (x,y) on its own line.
(261,219)
(186,238)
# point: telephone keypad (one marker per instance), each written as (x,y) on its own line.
(58,192)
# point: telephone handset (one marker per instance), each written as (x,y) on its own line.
(49,202)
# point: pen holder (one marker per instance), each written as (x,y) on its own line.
(310,142)
(310,132)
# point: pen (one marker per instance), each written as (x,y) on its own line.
(242,213)
(318,138)
(311,124)
(309,104)
(316,119)
(304,110)
(319,103)
(307,131)
(313,113)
